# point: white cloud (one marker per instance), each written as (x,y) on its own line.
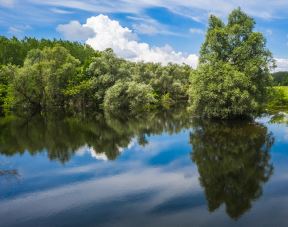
(195,9)
(18,29)
(98,156)
(110,34)
(101,33)
(282,64)
(145,28)
(75,31)
(148,26)
(60,11)
(197,31)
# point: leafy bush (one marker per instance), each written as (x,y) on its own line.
(130,97)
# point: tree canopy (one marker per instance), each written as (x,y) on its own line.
(42,79)
(232,80)
(233,76)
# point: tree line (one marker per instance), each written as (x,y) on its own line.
(280,78)
(233,77)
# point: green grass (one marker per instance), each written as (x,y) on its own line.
(284,89)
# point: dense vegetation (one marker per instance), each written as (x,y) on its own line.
(233,76)
(14,51)
(280,79)
(232,79)
(278,98)
(55,77)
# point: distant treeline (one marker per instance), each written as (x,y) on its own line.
(14,51)
(280,79)
(232,80)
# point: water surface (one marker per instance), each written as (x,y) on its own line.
(163,169)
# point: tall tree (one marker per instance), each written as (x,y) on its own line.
(242,51)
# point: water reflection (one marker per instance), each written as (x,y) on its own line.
(279,118)
(61,137)
(233,161)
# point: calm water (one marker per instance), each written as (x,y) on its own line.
(160,170)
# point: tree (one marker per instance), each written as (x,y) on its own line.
(220,91)
(233,53)
(40,83)
(11,51)
(102,73)
(7,74)
(131,97)
(14,51)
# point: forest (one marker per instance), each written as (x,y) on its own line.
(233,78)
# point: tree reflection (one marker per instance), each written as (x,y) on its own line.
(61,136)
(233,162)
(7,174)
(279,118)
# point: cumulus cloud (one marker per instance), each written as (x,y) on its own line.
(101,33)
(109,33)
(75,31)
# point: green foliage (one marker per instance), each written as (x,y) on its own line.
(88,89)
(7,74)
(173,80)
(280,79)
(232,79)
(166,101)
(278,98)
(107,69)
(130,97)
(279,118)
(236,55)
(56,73)
(14,51)
(41,81)
(220,91)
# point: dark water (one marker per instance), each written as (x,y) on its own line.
(159,170)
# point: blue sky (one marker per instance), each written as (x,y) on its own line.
(164,26)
